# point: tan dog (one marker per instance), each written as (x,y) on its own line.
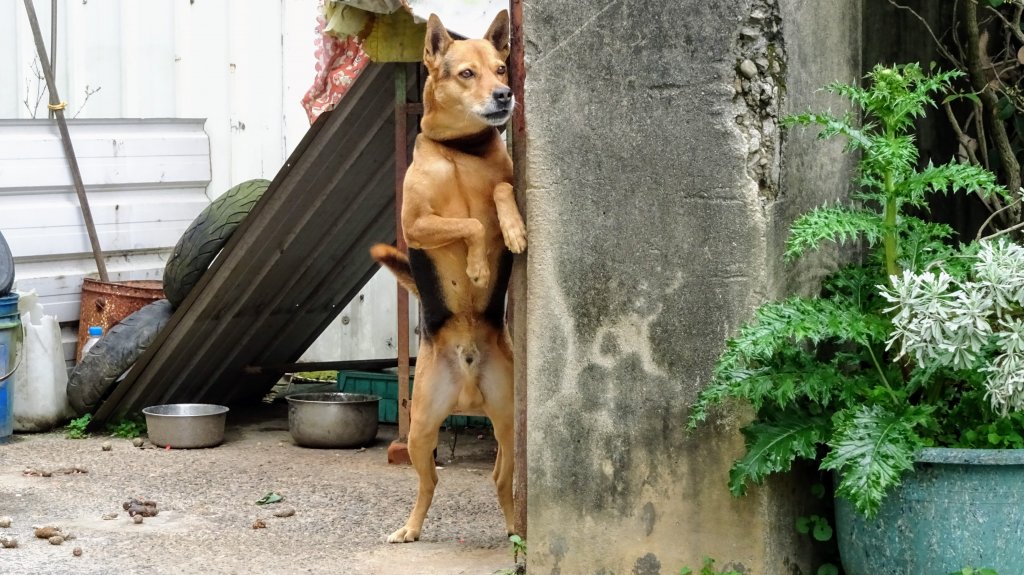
(459,215)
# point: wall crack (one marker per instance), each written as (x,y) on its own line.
(760,87)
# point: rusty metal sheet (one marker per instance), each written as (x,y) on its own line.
(290,267)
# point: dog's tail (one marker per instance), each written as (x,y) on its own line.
(398,263)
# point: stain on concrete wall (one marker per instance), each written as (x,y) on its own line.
(652,217)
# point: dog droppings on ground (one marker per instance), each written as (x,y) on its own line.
(137,507)
(47,532)
(345,504)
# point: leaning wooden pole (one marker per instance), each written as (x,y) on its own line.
(69,151)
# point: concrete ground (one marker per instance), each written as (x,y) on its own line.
(346,502)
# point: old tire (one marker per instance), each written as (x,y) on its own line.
(113,354)
(205,237)
(6,267)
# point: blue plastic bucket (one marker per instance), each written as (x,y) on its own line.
(10,344)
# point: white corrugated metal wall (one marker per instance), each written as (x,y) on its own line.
(243,65)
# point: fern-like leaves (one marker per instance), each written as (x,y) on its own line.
(950,177)
(838,224)
(832,126)
(871,447)
(771,361)
(772,446)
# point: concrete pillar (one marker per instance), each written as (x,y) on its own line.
(660,188)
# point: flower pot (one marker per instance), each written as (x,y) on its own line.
(960,507)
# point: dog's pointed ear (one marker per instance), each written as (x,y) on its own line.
(497,34)
(436,43)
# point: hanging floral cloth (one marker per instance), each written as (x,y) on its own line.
(339,61)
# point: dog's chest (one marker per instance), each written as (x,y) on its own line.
(466,189)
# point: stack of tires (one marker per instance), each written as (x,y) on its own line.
(115,352)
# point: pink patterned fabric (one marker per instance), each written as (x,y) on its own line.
(338,64)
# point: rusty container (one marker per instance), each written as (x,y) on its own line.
(106,303)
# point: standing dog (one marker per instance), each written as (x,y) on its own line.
(461,222)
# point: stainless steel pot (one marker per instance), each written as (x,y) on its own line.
(186,425)
(332,419)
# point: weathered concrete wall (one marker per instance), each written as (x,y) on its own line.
(659,191)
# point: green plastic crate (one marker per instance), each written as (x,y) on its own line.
(386,386)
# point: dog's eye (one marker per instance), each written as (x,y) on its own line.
(501,70)
(467,74)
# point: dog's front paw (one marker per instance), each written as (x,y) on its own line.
(478,273)
(404,535)
(515,237)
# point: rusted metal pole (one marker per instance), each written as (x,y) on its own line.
(401,163)
(517,296)
(53,45)
(69,150)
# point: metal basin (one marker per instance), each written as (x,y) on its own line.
(332,419)
(186,425)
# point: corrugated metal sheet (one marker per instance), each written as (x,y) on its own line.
(290,268)
(145,179)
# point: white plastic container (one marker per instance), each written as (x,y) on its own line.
(40,397)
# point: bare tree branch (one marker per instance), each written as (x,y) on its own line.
(1012,228)
(88,94)
(942,49)
(33,109)
(1008,26)
(1011,167)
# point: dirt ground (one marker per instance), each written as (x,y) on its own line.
(346,502)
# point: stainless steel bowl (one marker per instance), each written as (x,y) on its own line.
(186,425)
(332,419)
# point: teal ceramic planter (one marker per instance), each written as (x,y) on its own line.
(961,507)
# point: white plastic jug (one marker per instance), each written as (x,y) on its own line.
(40,398)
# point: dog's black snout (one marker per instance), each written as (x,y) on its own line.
(469,360)
(502,95)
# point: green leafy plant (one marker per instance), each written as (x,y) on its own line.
(814,525)
(76,428)
(329,375)
(819,530)
(818,371)
(518,548)
(127,427)
(973,571)
(708,568)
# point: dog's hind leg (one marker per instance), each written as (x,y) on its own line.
(497,388)
(434,398)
